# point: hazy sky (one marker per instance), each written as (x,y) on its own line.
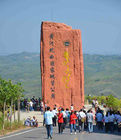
(98,20)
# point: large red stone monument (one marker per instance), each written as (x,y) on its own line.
(62,70)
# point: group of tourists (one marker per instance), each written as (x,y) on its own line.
(32,104)
(81,120)
(111,120)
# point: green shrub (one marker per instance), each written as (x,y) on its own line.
(110,101)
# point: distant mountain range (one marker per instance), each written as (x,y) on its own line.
(102,73)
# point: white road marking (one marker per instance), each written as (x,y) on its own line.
(20,133)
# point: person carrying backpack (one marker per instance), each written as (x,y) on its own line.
(90,120)
(81,120)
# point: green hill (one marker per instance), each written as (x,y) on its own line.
(102,73)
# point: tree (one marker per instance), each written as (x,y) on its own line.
(113,102)
(18,90)
(9,94)
(4,96)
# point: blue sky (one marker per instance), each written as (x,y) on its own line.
(98,20)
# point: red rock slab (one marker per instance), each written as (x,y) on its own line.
(62,70)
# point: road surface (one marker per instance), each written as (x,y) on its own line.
(40,134)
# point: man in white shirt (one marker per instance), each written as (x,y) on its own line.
(72,107)
(31,105)
(48,121)
(81,120)
(64,117)
(54,116)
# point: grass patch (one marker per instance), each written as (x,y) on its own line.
(15,126)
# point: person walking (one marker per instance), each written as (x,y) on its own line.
(90,121)
(111,121)
(73,118)
(54,116)
(119,123)
(64,118)
(106,122)
(72,107)
(99,118)
(31,105)
(48,121)
(60,122)
(81,120)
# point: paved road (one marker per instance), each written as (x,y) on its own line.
(40,134)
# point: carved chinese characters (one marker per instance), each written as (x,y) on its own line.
(52,69)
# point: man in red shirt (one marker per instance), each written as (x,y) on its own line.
(73,118)
(60,122)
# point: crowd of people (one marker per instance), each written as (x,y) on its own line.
(78,121)
(111,119)
(32,104)
(81,120)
